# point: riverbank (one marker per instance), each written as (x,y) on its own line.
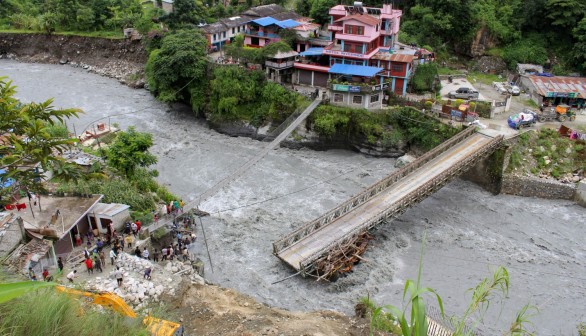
(121,59)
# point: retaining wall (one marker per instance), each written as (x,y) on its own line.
(537,187)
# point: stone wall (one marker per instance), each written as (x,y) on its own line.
(537,187)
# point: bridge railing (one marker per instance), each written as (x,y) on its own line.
(368,193)
(405,202)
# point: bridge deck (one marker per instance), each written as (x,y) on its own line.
(336,230)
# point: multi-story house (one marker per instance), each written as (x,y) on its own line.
(224,30)
(362,59)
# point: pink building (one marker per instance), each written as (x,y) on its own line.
(363,57)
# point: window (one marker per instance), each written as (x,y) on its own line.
(354,30)
(214,37)
(338,98)
(357,99)
(224,34)
(239,29)
(374,98)
(397,67)
(353,47)
(233,30)
(337,60)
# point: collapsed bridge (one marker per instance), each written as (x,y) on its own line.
(331,243)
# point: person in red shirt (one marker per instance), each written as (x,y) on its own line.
(137,225)
(46,275)
(90,265)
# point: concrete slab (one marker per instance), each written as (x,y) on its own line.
(458,83)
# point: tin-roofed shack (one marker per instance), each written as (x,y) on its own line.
(556,90)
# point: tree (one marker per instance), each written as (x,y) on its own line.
(565,13)
(289,36)
(320,10)
(27,148)
(129,151)
(579,50)
(186,12)
(177,71)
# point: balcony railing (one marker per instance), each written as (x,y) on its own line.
(261,34)
(282,65)
(358,87)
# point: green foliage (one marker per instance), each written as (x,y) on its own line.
(288,37)
(235,92)
(29,143)
(579,51)
(544,152)
(186,13)
(177,71)
(320,10)
(129,151)
(531,49)
(47,312)
(582,329)
(424,77)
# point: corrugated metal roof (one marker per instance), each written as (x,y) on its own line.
(265,21)
(312,52)
(560,84)
(386,56)
(288,24)
(354,70)
(109,209)
(214,28)
(264,10)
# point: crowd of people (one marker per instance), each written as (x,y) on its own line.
(95,254)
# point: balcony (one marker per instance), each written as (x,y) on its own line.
(261,34)
(357,87)
(281,65)
(335,28)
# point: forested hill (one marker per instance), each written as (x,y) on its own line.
(525,31)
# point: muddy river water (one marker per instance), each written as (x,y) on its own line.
(468,231)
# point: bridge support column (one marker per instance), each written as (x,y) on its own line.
(488,172)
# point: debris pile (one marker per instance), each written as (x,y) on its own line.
(138,290)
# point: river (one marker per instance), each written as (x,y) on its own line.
(468,230)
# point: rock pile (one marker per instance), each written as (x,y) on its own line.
(138,291)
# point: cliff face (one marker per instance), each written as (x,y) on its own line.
(117,58)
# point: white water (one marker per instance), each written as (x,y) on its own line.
(468,230)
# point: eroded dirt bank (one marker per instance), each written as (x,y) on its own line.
(121,59)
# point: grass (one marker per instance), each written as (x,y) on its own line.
(46,312)
(530,103)
(496,52)
(545,152)
(448,71)
(483,78)
(103,34)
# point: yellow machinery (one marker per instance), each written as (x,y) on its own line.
(157,327)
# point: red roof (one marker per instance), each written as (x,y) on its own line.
(402,58)
(560,84)
(367,19)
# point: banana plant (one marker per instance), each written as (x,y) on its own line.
(9,291)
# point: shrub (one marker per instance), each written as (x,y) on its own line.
(531,49)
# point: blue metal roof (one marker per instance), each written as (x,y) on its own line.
(354,70)
(312,52)
(265,21)
(288,24)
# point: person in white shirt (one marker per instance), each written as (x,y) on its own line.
(145,253)
(112,256)
(71,275)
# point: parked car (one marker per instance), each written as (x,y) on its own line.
(464,93)
(524,119)
(514,90)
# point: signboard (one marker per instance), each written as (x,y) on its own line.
(345,88)
(344,53)
(550,94)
